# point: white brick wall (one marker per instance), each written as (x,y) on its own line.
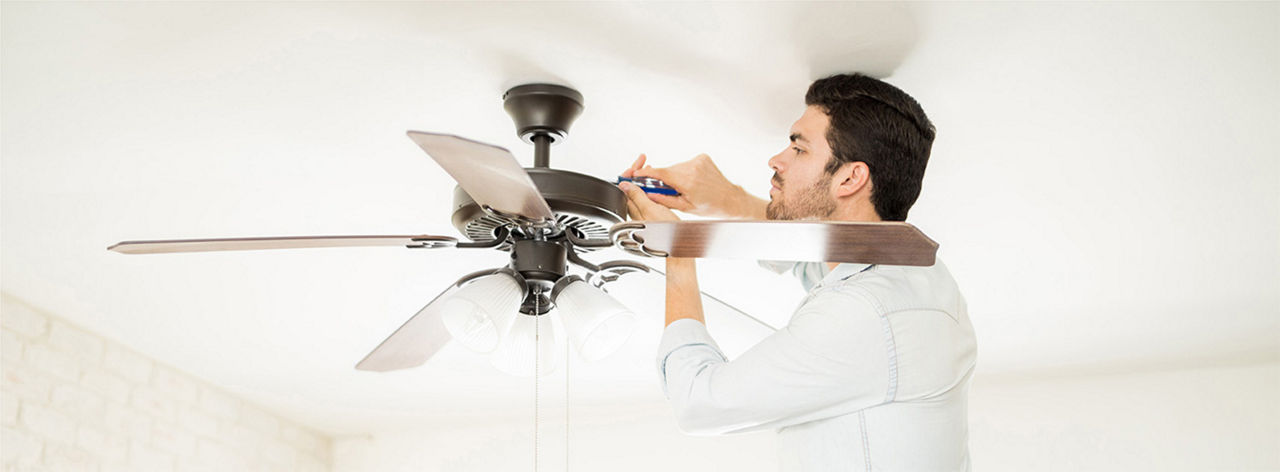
(71,400)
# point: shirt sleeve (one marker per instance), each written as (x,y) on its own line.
(832,359)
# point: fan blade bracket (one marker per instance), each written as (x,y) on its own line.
(587,243)
(612,270)
(520,220)
(435,242)
(432,242)
(626,236)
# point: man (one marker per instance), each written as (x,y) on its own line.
(872,371)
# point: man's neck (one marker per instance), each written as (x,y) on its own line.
(860,213)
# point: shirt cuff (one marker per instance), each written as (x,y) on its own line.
(681,334)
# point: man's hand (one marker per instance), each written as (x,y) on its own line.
(640,207)
(703,189)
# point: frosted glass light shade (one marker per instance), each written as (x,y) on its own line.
(480,311)
(595,322)
(521,352)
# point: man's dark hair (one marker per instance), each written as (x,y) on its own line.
(879,124)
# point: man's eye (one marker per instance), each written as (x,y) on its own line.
(797,150)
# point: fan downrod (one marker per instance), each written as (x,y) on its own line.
(542,114)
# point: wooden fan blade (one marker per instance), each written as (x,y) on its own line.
(284,242)
(489,174)
(414,342)
(890,243)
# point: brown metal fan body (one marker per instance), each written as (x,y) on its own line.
(582,204)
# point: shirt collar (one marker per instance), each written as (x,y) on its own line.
(842,271)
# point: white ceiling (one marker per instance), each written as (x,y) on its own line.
(1103,186)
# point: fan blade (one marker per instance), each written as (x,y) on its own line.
(890,243)
(489,174)
(284,242)
(414,342)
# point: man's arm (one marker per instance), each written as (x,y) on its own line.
(704,191)
(832,359)
(684,300)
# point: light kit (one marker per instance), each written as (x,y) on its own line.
(502,314)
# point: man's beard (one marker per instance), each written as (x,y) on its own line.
(812,203)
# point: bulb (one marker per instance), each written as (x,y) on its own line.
(521,353)
(595,322)
(480,311)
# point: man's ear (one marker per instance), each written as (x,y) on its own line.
(851,178)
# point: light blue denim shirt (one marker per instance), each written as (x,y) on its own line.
(871,373)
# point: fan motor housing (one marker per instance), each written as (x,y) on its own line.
(583,204)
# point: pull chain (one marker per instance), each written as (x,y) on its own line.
(537,343)
(567,360)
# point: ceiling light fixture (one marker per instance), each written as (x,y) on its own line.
(481,311)
(594,321)
(509,317)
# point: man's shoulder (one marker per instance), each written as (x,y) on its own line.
(898,288)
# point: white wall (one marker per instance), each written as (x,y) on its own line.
(1213,418)
(75,401)
(637,438)
(1218,418)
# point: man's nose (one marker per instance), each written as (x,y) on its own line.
(775,163)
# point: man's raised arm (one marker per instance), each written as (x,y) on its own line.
(704,191)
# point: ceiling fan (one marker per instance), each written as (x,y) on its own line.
(547,219)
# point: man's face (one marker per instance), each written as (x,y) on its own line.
(801,190)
